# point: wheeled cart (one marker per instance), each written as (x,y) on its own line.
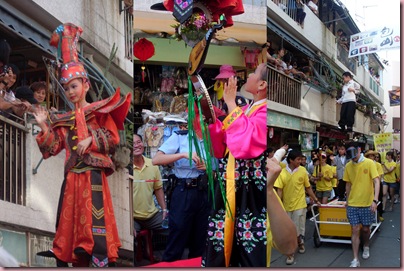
(332,225)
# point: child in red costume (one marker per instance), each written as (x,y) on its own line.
(86,230)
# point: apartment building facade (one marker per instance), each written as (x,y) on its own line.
(307,109)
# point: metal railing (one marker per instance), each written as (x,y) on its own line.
(12,161)
(283,89)
(374,86)
(287,6)
(342,56)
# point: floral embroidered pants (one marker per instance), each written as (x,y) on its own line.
(249,241)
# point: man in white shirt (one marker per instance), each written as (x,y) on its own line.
(348,101)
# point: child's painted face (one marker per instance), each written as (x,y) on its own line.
(74,89)
(40,95)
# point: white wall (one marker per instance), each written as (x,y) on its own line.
(101,23)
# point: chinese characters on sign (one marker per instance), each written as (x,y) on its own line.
(383,144)
(373,41)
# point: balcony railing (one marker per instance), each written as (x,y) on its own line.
(342,56)
(374,86)
(12,161)
(283,89)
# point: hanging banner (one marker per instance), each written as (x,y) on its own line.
(383,144)
(394,97)
(373,41)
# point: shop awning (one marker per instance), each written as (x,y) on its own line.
(29,31)
(240,34)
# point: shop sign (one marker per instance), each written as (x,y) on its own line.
(15,243)
(283,121)
(38,243)
(307,126)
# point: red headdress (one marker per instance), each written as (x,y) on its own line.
(65,39)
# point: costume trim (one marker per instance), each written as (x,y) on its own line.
(235,114)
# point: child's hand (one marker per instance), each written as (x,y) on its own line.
(83,145)
(230,91)
(41,115)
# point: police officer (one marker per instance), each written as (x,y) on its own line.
(189,209)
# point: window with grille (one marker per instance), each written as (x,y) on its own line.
(128,25)
(12,161)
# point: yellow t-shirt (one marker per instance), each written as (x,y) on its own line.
(398,171)
(323,184)
(282,164)
(293,188)
(334,181)
(379,169)
(390,177)
(143,204)
(361,176)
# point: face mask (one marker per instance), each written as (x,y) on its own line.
(351,153)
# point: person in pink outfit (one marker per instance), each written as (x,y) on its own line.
(237,225)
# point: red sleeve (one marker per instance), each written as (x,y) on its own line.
(106,136)
(51,142)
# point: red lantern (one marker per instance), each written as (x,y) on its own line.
(143,50)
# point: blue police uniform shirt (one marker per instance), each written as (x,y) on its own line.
(177,143)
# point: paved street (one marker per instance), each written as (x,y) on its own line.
(385,248)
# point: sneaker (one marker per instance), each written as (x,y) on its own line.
(381,219)
(290,259)
(366,253)
(302,249)
(395,201)
(355,263)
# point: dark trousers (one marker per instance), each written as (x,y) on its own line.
(380,206)
(347,115)
(187,222)
(300,15)
(340,191)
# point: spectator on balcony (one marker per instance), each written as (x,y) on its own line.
(292,70)
(300,14)
(270,59)
(26,96)
(342,39)
(313,6)
(348,101)
(40,91)
(279,63)
(377,78)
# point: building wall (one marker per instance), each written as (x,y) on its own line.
(101,22)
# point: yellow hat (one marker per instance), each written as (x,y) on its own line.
(370,152)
